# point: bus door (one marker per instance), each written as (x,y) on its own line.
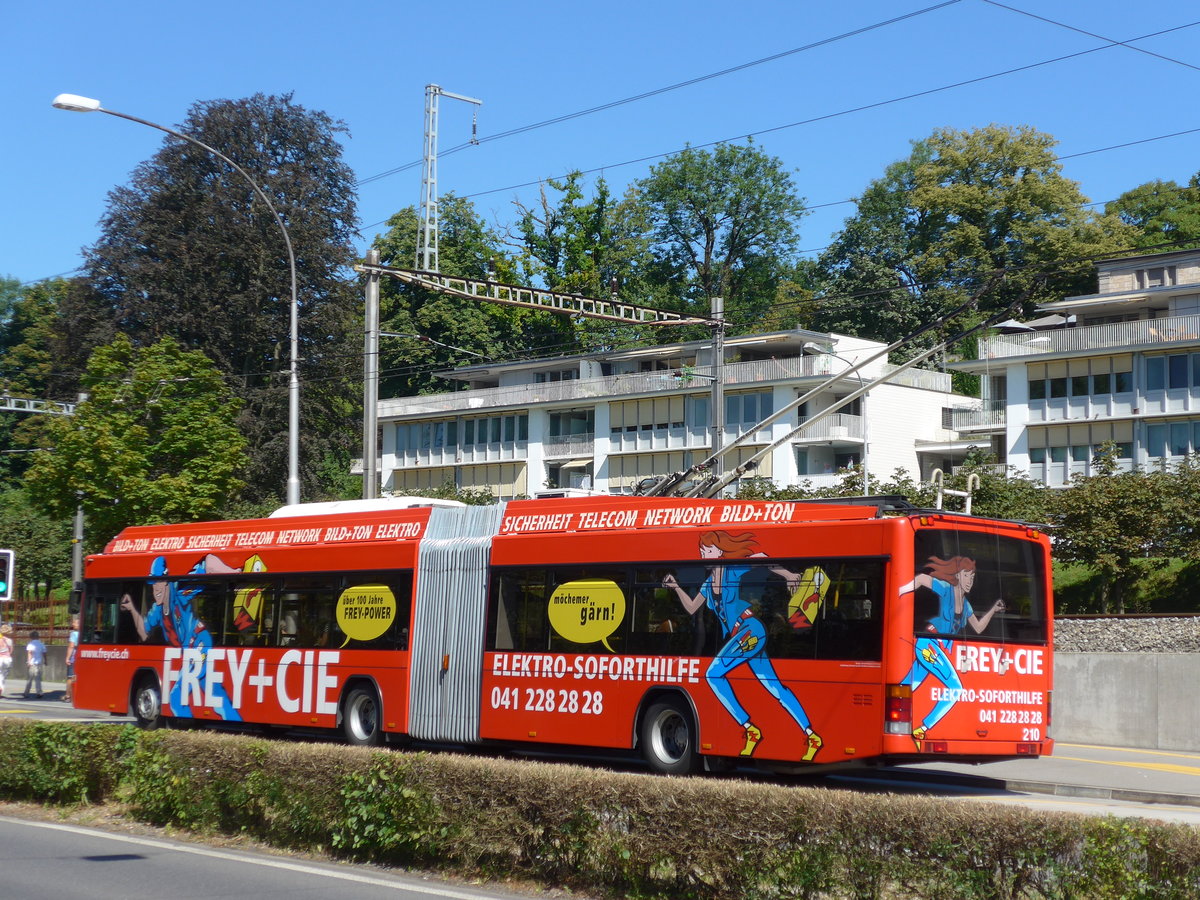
(448,623)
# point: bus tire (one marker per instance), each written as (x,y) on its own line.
(361,718)
(668,738)
(147,703)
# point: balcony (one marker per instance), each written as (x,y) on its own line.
(837,427)
(613,387)
(1090,339)
(991,416)
(569,445)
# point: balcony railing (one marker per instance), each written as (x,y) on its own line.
(985,417)
(571,445)
(1089,338)
(837,427)
(736,375)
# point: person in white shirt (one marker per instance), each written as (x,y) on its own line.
(35,658)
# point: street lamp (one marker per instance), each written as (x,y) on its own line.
(75,103)
(862,406)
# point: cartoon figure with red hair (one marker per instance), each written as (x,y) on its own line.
(951,581)
(746,636)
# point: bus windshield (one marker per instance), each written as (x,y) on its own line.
(979,586)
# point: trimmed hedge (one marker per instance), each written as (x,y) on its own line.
(596,831)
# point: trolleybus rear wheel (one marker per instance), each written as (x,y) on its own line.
(361,718)
(668,738)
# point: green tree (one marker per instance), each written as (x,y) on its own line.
(446,331)
(1165,214)
(723,223)
(189,250)
(940,225)
(154,442)
(41,543)
(1118,522)
(593,246)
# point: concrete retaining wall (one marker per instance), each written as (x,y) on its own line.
(1144,700)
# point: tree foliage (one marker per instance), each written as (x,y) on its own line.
(155,441)
(444,331)
(41,543)
(1166,215)
(188,250)
(723,223)
(942,224)
(1118,522)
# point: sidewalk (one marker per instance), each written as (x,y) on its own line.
(1081,770)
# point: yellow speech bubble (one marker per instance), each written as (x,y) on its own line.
(587,610)
(366,611)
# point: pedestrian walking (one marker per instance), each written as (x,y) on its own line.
(35,658)
(6,652)
(72,647)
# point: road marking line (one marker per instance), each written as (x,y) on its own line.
(1180,755)
(1157,767)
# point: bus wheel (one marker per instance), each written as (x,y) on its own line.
(668,738)
(360,718)
(147,703)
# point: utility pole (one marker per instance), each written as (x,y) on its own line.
(717,314)
(371,382)
(427,231)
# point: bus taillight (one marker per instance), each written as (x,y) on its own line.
(898,710)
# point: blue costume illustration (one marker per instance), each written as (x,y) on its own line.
(746,644)
(745,635)
(183,628)
(933,653)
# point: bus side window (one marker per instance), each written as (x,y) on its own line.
(658,623)
(517,610)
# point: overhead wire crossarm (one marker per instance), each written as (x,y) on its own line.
(535,298)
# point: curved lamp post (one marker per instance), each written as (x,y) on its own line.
(75,103)
(817,348)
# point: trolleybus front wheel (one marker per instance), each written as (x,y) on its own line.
(361,718)
(668,738)
(147,703)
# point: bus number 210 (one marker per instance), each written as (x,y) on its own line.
(588,703)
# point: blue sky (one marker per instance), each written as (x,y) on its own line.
(367,63)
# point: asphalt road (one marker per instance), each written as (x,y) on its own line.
(50,859)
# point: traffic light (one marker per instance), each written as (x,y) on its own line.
(6,575)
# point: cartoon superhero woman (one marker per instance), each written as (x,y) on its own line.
(951,581)
(746,636)
(174,611)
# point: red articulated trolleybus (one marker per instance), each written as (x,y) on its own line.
(697,631)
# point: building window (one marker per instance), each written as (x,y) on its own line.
(1079,385)
(1037,455)
(1058,388)
(1156,373)
(1123,382)
(1177,371)
(1102,383)
(1157,276)
(1037,389)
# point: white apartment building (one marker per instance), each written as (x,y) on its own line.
(606,421)
(1120,365)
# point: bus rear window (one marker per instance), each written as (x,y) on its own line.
(978,586)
